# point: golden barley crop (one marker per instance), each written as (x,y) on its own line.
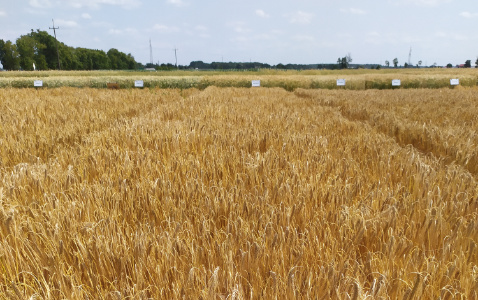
(238,193)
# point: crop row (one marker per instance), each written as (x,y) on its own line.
(288,82)
(443,124)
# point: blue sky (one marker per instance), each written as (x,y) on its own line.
(279,31)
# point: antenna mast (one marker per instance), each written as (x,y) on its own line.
(176,56)
(410,57)
(57,53)
(150,53)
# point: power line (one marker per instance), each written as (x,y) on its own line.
(57,52)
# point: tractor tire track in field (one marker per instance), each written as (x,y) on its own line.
(429,140)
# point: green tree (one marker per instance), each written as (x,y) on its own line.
(9,55)
(39,48)
(117,59)
(2,53)
(132,64)
(48,49)
(395,62)
(68,59)
(120,60)
(344,62)
(29,51)
(100,60)
(87,59)
(83,58)
(199,65)
(468,64)
(449,66)
(387,63)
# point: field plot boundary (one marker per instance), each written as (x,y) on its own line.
(358,80)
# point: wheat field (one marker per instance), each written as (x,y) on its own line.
(238,193)
(290,80)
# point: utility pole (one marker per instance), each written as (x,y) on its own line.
(176,56)
(57,53)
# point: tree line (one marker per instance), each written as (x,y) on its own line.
(38,50)
(41,51)
(200,65)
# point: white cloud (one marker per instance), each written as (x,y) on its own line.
(304,38)
(354,11)
(264,36)
(432,2)
(165,28)
(423,2)
(97,3)
(239,27)
(253,38)
(452,36)
(261,13)
(66,23)
(374,37)
(115,31)
(121,31)
(468,15)
(301,17)
(178,3)
(200,28)
(40,3)
(2,13)
(240,39)
(86,16)
(461,37)
(441,34)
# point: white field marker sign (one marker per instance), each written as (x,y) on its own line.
(454,81)
(138,83)
(396,82)
(256,83)
(340,82)
(38,83)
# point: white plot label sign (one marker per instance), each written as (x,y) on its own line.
(38,83)
(138,83)
(340,82)
(454,81)
(396,82)
(256,83)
